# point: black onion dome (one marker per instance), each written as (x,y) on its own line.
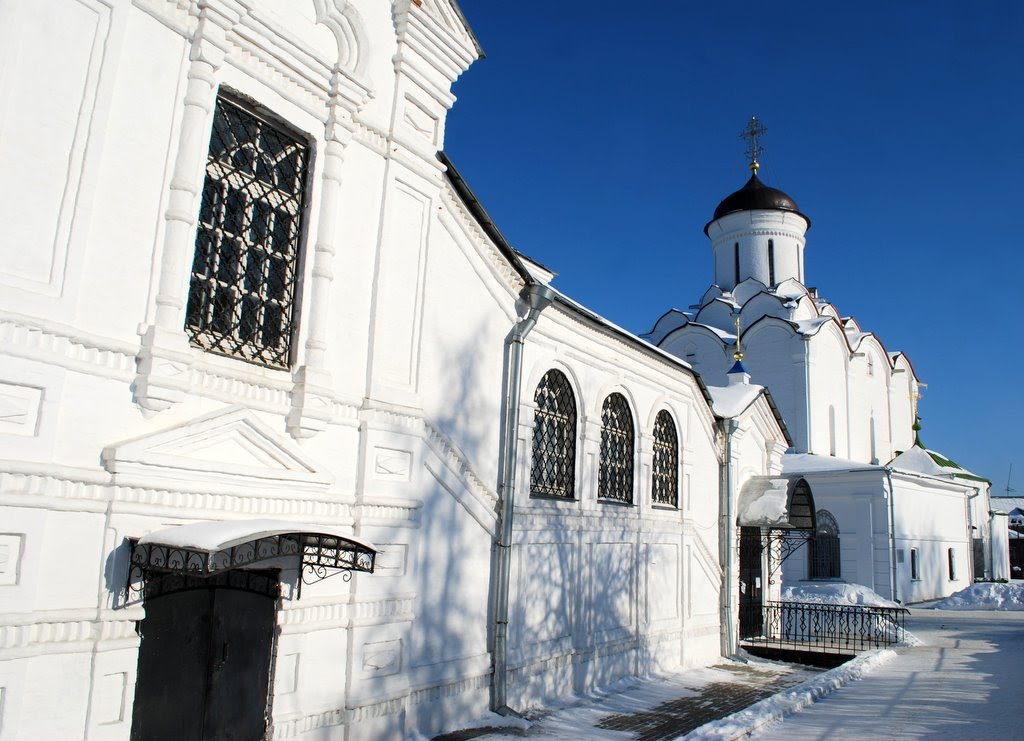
(756,196)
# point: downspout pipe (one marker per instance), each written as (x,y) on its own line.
(971,527)
(730,574)
(537,297)
(892,536)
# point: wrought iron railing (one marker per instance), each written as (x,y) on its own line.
(802,626)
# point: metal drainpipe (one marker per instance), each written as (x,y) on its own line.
(892,535)
(730,578)
(537,297)
(970,535)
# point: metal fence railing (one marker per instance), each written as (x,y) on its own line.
(814,627)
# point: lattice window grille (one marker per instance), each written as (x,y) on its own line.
(665,472)
(824,554)
(245,270)
(615,474)
(553,468)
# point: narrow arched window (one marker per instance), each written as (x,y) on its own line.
(665,472)
(736,261)
(771,262)
(553,469)
(824,548)
(615,477)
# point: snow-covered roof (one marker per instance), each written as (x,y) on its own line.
(762,502)
(930,463)
(1007,504)
(794,463)
(732,401)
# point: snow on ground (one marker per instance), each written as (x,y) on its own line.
(985,596)
(835,593)
(792,700)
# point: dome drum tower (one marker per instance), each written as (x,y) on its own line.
(757,232)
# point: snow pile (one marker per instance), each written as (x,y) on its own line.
(985,596)
(793,700)
(835,593)
(731,401)
(762,501)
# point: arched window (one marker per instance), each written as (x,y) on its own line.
(665,472)
(615,477)
(824,548)
(553,470)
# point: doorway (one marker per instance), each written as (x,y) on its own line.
(751,590)
(205,657)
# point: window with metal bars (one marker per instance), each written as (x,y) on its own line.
(615,473)
(553,468)
(665,472)
(245,269)
(824,555)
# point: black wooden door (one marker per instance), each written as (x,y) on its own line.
(204,662)
(751,613)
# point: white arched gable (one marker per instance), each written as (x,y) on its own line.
(711,294)
(767,304)
(831,333)
(718,313)
(748,289)
(671,320)
(791,288)
(699,345)
(827,309)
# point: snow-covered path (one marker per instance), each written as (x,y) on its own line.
(966,682)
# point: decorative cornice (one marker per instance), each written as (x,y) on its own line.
(301,617)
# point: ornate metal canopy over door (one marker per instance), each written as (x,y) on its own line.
(207,549)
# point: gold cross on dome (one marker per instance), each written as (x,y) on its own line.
(753,133)
(738,355)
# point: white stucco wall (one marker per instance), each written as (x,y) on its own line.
(386,422)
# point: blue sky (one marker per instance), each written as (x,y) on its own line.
(600,137)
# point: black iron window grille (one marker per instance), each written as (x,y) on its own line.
(615,474)
(244,273)
(665,472)
(823,556)
(553,468)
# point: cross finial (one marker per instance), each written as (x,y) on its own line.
(738,355)
(753,133)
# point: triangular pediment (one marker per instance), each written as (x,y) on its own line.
(232,445)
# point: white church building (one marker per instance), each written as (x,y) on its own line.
(906,522)
(293,443)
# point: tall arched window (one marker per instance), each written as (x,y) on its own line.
(824,548)
(665,472)
(553,469)
(615,477)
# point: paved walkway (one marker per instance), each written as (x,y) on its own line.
(966,682)
(665,708)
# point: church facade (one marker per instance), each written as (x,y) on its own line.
(295,443)
(906,522)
